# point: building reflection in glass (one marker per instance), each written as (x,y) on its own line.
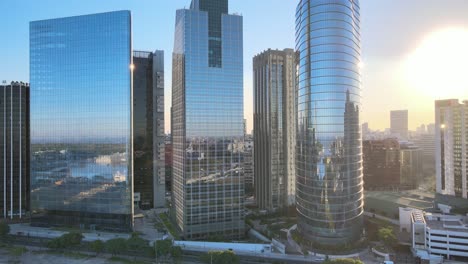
(81,147)
(329,190)
(207,121)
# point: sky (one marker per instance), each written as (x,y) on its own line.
(413,51)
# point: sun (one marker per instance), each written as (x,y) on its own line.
(438,68)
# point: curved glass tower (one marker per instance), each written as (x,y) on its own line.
(329,191)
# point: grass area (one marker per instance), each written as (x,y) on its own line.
(170,227)
(126,261)
(17,251)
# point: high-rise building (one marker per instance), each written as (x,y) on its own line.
(274,74)
(249,165)
(148,128)
(381,163)
(399,124)
(390,164)
(329,187)
(208,121)
(14,150)
(411,165)
(81,121)
(168,162)
(365,129)
(451,143)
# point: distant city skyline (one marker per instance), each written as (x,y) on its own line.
(394,47)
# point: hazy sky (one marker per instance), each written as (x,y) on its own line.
(396,43)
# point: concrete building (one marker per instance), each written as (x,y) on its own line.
(249,165)
(208,122)
(411,165)
(381,163)
(14,150)
(274,74)
(451,144)
(390,164)
(435,237)
(399,124)
(148,129)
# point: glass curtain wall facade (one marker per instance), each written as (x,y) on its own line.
(329,187)
(148,129)
(81,122)
(207,122)
(274,129)
(14,150)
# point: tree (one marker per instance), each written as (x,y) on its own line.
(386,235)
(4,229)
(97,246)
(176,253)
(136,243)
(162,247)
(66,240)
(116,245)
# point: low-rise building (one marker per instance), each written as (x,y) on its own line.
(436,236)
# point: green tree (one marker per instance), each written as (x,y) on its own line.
(176,254)
(97,246)
(136,243)
(65,241)
(162,247)
(386,235)
(116,245)
(4,229)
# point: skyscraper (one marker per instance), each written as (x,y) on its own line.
(148,128)
(207,115)
(399,124)
(14,150)
(275,128)
(81,121)
(329,187)
(451,144)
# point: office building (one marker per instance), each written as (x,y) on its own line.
(208,122)
(274,74)
(329,186)
(148,129)
(14,150)
(451,143)
(249,165)
(399,124)
(81,122)
(381,164)
(436,237)
(411,165)
(168,162)
(426,143)
(390,164)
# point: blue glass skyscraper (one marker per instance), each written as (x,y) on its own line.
(329,187)
(207,121)
(81,121)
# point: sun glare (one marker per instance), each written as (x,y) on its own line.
(438,68)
